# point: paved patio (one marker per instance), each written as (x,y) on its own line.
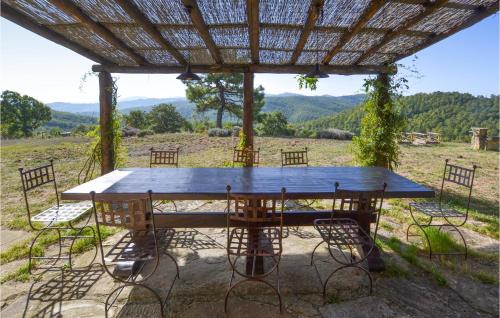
(205,275)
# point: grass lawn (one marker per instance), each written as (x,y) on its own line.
(422,164)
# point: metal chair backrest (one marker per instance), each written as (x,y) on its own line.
(37,177)
(136,216)
(253,209)
(164,157)
(133,214)
(355,201)
(294,158)
(460,176)
(246,155)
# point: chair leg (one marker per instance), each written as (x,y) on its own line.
(456,229)
(30,254)
(80,236)
(158,298)
(232,287)
(314,250)
(370,280)
(175,262)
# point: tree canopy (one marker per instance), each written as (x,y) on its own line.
(222,93)
(165,118)
(450,113)
(22,114)
(137,119)
(273,124)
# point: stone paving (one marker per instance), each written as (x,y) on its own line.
(205,276)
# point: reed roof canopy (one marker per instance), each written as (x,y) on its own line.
(258,36)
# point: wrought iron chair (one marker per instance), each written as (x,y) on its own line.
(164,158)
(254,239)
(142,244)
(294,158)
(60,218)
(343,235)
(243,156)
(463,177)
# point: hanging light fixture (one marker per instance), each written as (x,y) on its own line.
(188,75)
(316,71)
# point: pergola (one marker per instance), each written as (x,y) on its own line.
(246,36)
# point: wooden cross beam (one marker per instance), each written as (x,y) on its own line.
(201,26)
(429,9)
(362,21)
(71,9)
(253,29)
(252,68)
(15,16)
(312,17)
(132,10)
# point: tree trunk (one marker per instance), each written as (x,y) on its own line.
(220,111)
(218,123)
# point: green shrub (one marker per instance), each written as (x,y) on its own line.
(333,133)
(302,132)
(145,132)
(219,132)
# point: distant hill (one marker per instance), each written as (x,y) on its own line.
(296,107)
(67,121)
(125,105)
(450,113)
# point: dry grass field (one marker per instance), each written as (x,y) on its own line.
(422,164)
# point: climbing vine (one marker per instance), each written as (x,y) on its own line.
(383,123)
(118,151)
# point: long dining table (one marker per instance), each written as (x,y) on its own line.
(210,184)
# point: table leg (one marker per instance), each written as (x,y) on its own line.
(254,265)
(375,262)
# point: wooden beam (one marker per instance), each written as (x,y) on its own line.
(312,17)
(73,10)
(105,121)
(219,219)
(374,6)
(253,68)
(132,10)
(248,109)
(201,26)
(18,18)
(253,29)
(481,13)
(429,9)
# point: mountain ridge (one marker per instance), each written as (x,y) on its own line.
(296,107)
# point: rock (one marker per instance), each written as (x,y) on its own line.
(371,306)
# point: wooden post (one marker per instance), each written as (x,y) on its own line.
(383,98)
(248,109)
(105,121)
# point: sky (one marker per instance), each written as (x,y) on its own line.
(465,62)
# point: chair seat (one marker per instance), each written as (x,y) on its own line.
(341,232)
(435,210)
(63,213)
(139,246)
(268,242)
